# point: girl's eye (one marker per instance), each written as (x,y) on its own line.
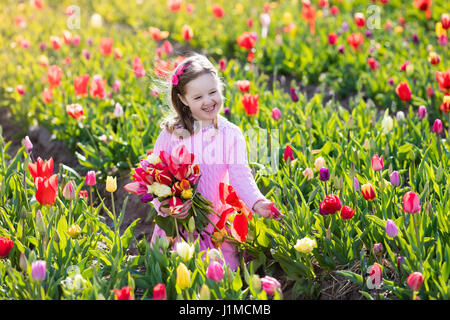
(196,98)
(212,92)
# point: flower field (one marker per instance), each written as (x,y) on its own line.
(345,106)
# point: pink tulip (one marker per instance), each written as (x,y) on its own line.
(437,126)
(276,113)
(215,271)
(20,89)
(270,284)
(90,178)
(69,191)
(377,163)
(28,144)
(415,281)
(411,202)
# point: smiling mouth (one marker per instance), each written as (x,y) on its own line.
(209,109)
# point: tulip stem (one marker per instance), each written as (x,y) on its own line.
(419,243)
(382,195)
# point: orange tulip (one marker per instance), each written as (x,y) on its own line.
(355,40)
(106,45)
(54,74)
(47,95)
(80,85)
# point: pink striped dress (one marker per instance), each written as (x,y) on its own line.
(222,157)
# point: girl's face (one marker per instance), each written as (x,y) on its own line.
(203,97)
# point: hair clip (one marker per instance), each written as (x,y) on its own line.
(178,73)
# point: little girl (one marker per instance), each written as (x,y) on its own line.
(218,145)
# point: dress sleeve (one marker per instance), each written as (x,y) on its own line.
(240,175)
(161,143)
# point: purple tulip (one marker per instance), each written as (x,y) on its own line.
(341,49)
(415,38)
(344,26)
(38,270)
(86,54)
(368,33)
(215,271)
(147,198)
(391,81)
(395,178)
(42,46)
(356,184)
(391,228)
(226,111)
(89,41)
(294,96)
(324,174)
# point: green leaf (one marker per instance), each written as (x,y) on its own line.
(237,281)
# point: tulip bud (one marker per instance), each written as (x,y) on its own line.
(276,113)
(294,96)
(163,243)
(23,263)
(28,144)
(377,248)
(256,283)
(205,294)
(185,251)
(159,292)
(118,110)
(270,284)
(191,224)
(38,270)
(40,222)
(437,126)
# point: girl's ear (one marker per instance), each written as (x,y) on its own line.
(182,99)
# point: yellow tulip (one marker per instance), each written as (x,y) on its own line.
(111,184)
(183,276)
(439,29)
(74,231)
(187,194)
(305,245)
(287,18)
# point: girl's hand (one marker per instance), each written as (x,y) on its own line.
(266,209)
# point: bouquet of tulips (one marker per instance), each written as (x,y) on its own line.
(173,180)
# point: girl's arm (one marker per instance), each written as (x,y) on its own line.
(239,172)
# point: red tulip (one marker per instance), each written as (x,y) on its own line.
(332,38)
(175,205)
(222,65)
(138,68)
(174,5)
(347,213)
(246,41)
(355,40)
(54,74)
(243,85)
(75,111)
(359,19)
(403,91)
(164,177)
(250,103)
(159,292)
(83,194)
(239,227)
(41,168)
(368,192)
(411,202)
(415,281)
(218,11)
(56,42)
(123,294)
(330,205)
(373,64)
(106,45)
(47,95)
(46,189)
(445,21)
(187,33)
(443,78)
(98,87)
(80,85)
(434,58)
(20,89)
(5,246)
(167,47)
(445,105)
(288,154)
(334,10)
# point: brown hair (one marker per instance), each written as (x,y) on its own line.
(194,66)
